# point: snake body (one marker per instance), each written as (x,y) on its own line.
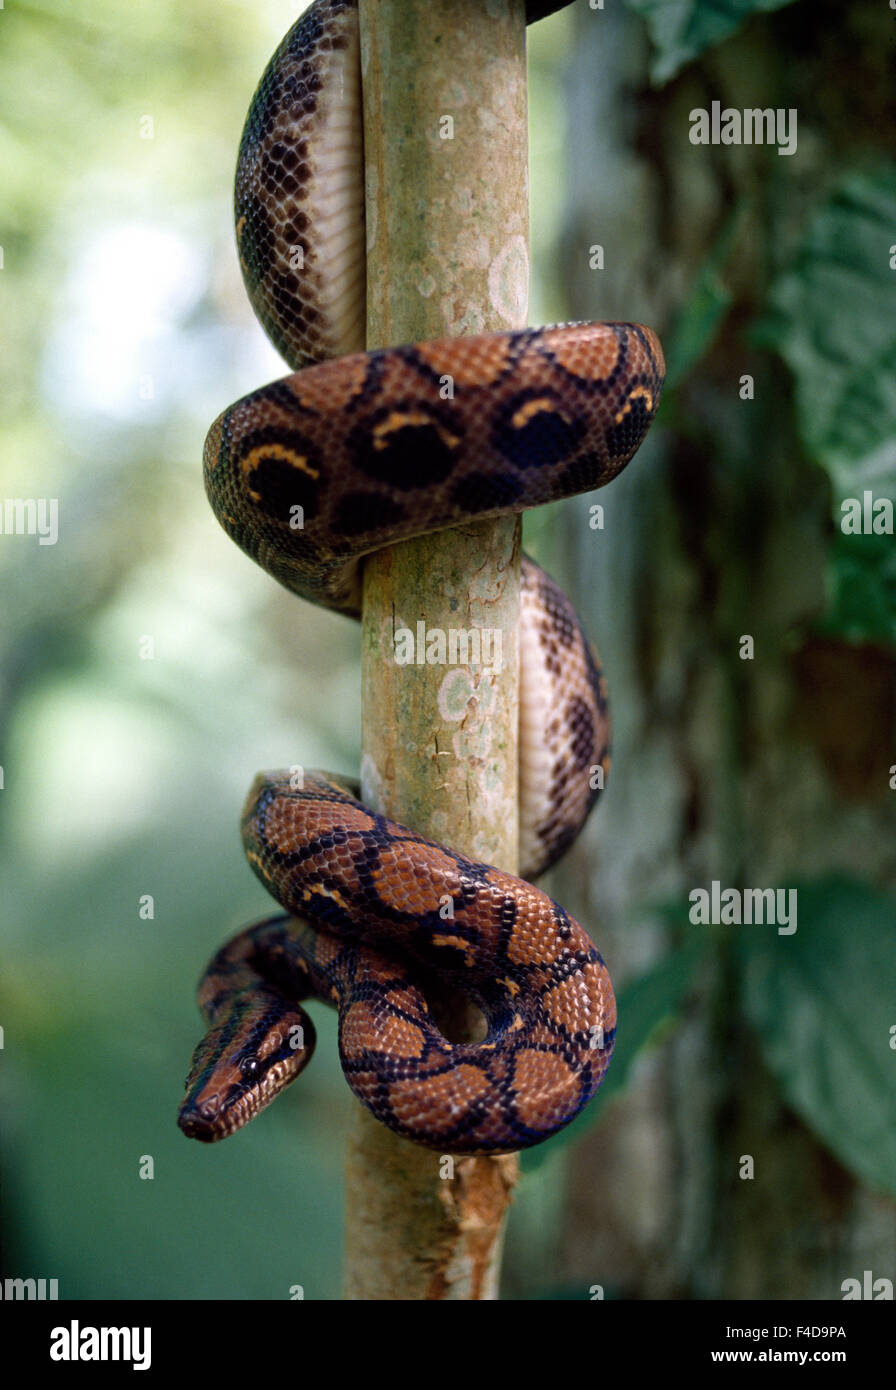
(365,450)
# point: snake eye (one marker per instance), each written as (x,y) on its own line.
(250,1068)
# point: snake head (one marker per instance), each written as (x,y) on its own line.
(240,1066)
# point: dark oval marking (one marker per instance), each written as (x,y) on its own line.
(533,430)
(360,512)
(283,470)
(406,446)
(485,492)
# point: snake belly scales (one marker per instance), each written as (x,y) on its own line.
(367,447)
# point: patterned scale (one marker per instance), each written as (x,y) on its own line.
(350,453)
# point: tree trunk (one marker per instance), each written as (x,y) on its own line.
(752,771)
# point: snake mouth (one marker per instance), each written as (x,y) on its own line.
(225,1090)
(196,1126)
(212,1118)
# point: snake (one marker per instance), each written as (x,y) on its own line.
(364,450)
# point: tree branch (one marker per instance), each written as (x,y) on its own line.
(445,128)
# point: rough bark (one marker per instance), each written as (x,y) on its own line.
(748,772)
(447,254)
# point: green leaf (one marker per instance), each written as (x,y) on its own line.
(648,1006)
(833,320)
(699,320)
(823,1003)
(862,605)
(682,29)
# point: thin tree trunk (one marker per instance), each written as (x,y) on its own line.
(446,161)
(721,768)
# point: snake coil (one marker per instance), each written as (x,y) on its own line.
(366,447)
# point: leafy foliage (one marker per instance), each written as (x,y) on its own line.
(682,29)
(703,312)
(821,1003)
(862,605)
(832,317)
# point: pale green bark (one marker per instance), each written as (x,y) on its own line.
(447,209)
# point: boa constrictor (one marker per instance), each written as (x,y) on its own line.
(365,445)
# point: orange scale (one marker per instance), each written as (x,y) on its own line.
(376,970)
(532,944)
(591,354)
(542,1083)
(467,367)
(443,1098)
(326,949)
(411,878)
(410,1000)
(329,387)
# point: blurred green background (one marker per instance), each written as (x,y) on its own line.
(126,331)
